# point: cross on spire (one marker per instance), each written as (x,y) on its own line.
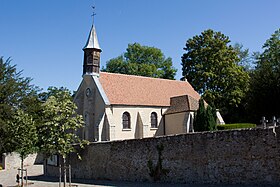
(93,14)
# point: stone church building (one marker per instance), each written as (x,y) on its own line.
(117,106)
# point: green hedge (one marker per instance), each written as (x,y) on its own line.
(236,126)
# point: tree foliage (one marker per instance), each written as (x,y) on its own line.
(264,94)
(200,117)
(211,117)
(24,132)
(17,97)
(144,61)
(30,121)
(205,118)
(60,121)
(210,64)
(245,59)
(52,91)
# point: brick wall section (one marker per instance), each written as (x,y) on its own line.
(224,157)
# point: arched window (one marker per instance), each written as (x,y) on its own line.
(154,121)
(126,120)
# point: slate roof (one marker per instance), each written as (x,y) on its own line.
(143,91)
(92,41)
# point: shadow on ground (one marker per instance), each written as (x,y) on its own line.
(43,178)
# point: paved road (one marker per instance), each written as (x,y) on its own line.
(35,174)
(36,179)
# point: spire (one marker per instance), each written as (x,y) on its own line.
(92,52)
(92,41)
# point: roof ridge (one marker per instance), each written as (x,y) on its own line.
(140,76)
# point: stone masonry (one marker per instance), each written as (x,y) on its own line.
(250,156)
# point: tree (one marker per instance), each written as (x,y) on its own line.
(210,64)
(16,93)
(144,61)
(200,117)
(23,129)
(52,91)
(264,94)
(245,60)
(205,119)
(211,118)
(60,121)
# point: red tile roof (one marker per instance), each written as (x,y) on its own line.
(144,91)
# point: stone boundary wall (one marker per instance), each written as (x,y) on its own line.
(248,156)
(13,160)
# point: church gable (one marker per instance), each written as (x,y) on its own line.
(91,102)
(89,85)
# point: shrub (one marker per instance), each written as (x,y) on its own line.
(205,118)
(236,126)
(200,118)
(211,118)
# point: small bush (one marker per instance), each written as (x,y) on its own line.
(1,168)
(205,118)
(236,126)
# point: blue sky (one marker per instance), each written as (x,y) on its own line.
(45,37)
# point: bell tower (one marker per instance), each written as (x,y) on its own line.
(92,52)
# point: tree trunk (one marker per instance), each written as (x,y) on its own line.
(45,166)
(21,171)
(64,171)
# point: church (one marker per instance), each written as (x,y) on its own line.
(117,106)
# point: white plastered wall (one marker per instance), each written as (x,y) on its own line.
(179,123)
(137,113)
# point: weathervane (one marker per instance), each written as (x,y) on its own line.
(93,14)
